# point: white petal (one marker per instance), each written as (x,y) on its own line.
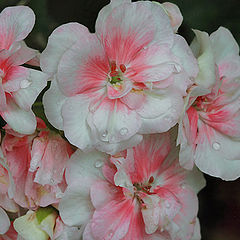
(74,113)
(160,112)
(113,148)
(75,207)
(59,41)
(18,119)
(184,53)
(202,48)
(224,44)
(35,82)
(114,121)
(216,154)
(83,167)
(53,100)
(4,221)
(15,24)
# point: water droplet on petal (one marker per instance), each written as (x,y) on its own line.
(123,131)
(162,229)
(25,83)
(177,68)
(216,146)
(183,185)
(98,164)
(104,136)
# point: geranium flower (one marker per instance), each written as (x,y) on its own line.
(126,80)
(19,86)
(141,193)
(210,129)
(37,164)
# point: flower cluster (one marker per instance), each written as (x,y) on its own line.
(137,115)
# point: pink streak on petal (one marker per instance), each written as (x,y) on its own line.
(149,155)
(112,221)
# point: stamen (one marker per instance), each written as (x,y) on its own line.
(123,68)
(151,179)
(113,66)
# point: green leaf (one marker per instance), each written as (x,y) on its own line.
(42,213)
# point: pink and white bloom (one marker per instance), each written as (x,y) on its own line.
(19,86)
(127,79)
(209,132)
(140,193)
(37,164)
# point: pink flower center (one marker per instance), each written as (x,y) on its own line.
(201,103)
(143,189)
(116,73)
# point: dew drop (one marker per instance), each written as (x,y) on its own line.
(104,136)
(98,164)
(183,185)
(123,131)
(177,68)
(216,146)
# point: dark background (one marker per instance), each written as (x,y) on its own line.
(219,201)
